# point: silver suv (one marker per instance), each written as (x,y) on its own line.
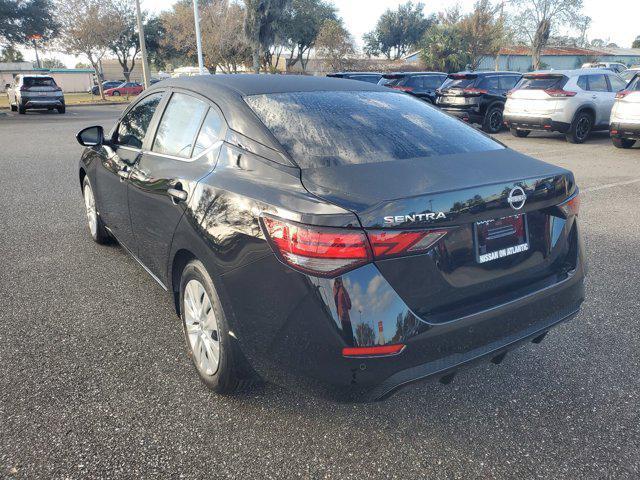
(573,102)
(33,92)
(624,125)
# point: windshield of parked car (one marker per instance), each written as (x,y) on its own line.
(391,80)
(39,82)
(323,129)
(541,82)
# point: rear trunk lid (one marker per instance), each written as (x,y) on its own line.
(463,194)
(531,95)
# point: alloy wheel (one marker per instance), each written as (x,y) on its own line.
(90,207)
(583,127)
(495,120)
(201,328)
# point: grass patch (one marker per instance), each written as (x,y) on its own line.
(76,99)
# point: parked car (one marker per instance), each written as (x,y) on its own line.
(95,90)
(420,84)
(613,66)
(297,233)
(477,97)
(629,73)
(31,92)
(573,102)
(624,125)
(371,77)
(126,88)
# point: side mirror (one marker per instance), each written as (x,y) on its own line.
(91,136)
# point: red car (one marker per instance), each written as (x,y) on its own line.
(127,88)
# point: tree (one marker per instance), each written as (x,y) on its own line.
(20,19)
(52,63)
(483,31)
(260,18)
(300,26)
(597,43)
(125,43)
(536,20)
(397,31)
(445,48)
(223,42)
(335,44)
(82,65)
(176,40)
(86,30)
(636,42)
(10,54)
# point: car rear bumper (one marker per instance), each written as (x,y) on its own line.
(535,123)
(43,102)
(469,114)
(625,130)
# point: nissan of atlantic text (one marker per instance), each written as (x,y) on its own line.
(332,235)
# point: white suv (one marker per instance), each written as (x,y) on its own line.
(573,102)
(624,126)
(35,92)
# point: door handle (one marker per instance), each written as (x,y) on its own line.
(177,195)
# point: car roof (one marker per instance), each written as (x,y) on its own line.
(572,73)
(392,74)
(355,73)
(484,73)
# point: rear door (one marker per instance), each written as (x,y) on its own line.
(184,149)
(602,96)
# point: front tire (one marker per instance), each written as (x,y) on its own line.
(96,227)
(14,108)
(116,93)
(21,109)
(580,128)
(62,109)
(206,332)
(520,133)
(623,142)
(492,122)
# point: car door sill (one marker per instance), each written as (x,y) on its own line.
(135,257)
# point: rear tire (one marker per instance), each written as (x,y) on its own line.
(21,110)
(213,352)
(580,128)
(96,227)
(492,122)
(116,93)
(62,109)
(14,108)
(520,133)
(623,142)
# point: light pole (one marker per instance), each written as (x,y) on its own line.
(196,17)
(143,46)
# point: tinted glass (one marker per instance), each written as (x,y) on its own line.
(431,82)
(133,126)
(539,82)
(390,81)
(38,82)
(490,83)
(597,83)
(179,125)
(210,132)
(462,82)
(635,84)
(628,74)
(414,82)
(507,82)
(617,84)
(366,78)
(323,129)
(583,83)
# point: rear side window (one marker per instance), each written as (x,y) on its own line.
(634,84)
(617,83)
(490,83)
(38,82)
(133,126)
(459,81)
(391,81)
(598,83)
(431,82)
(210,132)
(541,82)
(507,82)
(583,83)
(325,129)
(179,125)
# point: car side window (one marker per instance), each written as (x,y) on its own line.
(210,132)
(490,83)
(133,126)
(179,125)
(583,83)
(431,82)
(616,83)
(507,82)
(598,83)
(414,82)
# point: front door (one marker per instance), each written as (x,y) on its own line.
(185,149)
(117,160)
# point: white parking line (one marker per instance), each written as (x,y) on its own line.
(610,185)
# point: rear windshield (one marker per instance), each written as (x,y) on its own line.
(540,82)
(38,82)
(458,81)
(391,81)
(324,129)
(634,84)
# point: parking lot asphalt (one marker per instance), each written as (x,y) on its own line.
(95,382)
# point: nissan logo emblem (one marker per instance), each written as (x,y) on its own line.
(516,198)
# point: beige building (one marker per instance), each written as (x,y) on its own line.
(69,80)
(112,70)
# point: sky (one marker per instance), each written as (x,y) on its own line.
(613,20)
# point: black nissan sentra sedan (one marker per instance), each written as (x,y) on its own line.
(333,234)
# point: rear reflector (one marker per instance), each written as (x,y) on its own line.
(372,351)
(329,252)
(571,206)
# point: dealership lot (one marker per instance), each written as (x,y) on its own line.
(95,381)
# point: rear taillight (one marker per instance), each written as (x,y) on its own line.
(474,91)
(559,93)
(383,350)
(571,206)
(329,251)
(623,93)
(404,89)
